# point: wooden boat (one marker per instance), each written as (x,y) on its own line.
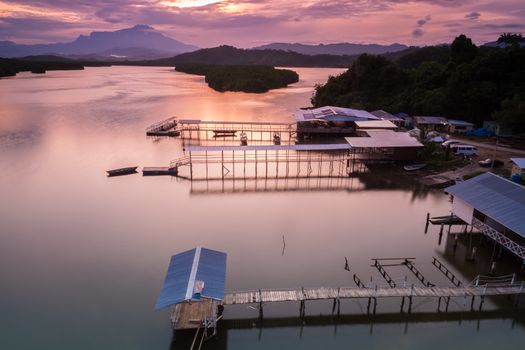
(122,171)
(276,139)
(224,133)
(244,139)
(413,167)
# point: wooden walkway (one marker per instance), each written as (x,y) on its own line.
(327,293)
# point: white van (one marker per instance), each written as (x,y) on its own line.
(464,150)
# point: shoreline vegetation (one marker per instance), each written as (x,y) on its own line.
(460,80)
(10,67)
(246,78)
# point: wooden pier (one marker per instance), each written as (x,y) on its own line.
(194,129)
(275,161)
(329,293)
(191,315)
(163,128)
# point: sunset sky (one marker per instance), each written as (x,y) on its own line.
(247,23)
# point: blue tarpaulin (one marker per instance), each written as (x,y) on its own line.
(205,266)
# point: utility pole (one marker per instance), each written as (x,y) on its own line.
(494,158)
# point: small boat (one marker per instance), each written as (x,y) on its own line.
(122,171)
(413,167)
(244,139)
(224,133)
(276,139)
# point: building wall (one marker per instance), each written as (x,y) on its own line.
(406,153)
(463,210)
(517,170)
(459,128)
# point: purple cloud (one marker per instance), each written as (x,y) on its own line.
(247,22)
(418,32)
(473,15)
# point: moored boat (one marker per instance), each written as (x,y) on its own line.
(413,167)
(122,171)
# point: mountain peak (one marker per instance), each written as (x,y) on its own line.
(142,27)
(140,36)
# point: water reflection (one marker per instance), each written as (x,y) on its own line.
(83,257)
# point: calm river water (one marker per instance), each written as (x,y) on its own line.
(83,256)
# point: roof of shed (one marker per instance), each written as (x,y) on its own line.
(373,124)
(500,199)
(384,138)
(430,120)
(520,162)
(330,113)
(198,264)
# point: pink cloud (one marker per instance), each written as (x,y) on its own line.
(247,23)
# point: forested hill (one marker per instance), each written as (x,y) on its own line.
(460,80)
(229,55)
(41,64)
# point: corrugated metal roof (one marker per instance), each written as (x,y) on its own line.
(496,197)
(383,138)
(331,113)
(385,115)
(519,162)
(198,264)
(430,120)
(459,122)
(379,124)
(305,147)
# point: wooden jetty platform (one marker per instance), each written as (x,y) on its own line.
(195,129)
(276,161)
(191,315)
(490,288)
(163,128)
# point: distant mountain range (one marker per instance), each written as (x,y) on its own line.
(138,42)
(229,55)
(335,49)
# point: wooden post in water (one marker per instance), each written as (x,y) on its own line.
(481,302)
(191,168)
(410,298)
(428,221)
(260,305)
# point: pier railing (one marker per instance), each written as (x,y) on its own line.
(500,238)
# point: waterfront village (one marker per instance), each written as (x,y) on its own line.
(327,142)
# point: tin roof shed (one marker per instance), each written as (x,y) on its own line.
(498,198)
(193,274)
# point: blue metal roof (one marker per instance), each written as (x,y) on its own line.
(342,118)
(198,264)
(496,197)
(459,122)
(520,162)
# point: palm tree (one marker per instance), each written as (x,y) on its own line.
(511,39)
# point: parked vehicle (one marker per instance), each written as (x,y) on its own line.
(464,150)
(496,163)
(449,143)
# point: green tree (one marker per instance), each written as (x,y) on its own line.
(462,50)
(511,39)
(512,113)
